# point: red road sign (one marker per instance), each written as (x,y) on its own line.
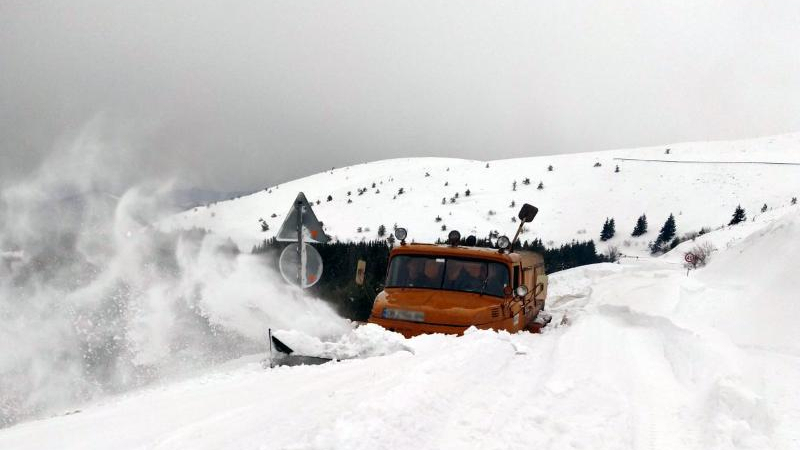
(689,258)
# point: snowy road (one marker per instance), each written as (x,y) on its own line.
(639,356)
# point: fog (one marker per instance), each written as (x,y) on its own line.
(240,95)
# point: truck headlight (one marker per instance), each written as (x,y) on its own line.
(403,314)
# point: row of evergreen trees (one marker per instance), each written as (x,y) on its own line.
(337,284)
(668,230)
(609,228)
(665,236)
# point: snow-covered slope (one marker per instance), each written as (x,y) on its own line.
(640,356)
(701,183)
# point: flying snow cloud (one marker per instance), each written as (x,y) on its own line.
(94,300)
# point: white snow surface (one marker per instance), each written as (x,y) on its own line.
(700,183)
(639,355)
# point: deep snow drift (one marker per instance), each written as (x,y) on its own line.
(639,356)
(700,183)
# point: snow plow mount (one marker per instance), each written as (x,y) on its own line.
(281,354)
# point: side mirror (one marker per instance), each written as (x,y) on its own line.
(527,213)
(379,288)
(521,290)
(361,270)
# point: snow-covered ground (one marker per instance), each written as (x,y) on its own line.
(640,355)
(700,183)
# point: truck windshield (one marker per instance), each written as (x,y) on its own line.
(453,274)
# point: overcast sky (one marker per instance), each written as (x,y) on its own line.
(238,95)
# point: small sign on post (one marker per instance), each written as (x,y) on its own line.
(691,261)
(301,226)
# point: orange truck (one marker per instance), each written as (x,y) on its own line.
(448,288)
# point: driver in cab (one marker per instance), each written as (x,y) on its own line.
(423,273)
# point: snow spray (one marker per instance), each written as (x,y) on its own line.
(94,299)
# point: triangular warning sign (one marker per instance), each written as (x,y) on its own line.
(311,228)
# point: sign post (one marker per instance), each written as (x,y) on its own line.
(301,226)
(301,247)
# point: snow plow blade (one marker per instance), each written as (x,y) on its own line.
(281,354)
(294,348)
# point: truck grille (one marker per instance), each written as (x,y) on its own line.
(495,312)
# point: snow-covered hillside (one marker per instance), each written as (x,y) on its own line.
(701,183)
(640,355)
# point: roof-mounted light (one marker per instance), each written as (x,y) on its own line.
(401,233)
(454,237)
(503,242)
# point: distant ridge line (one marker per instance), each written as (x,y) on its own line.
(774,163)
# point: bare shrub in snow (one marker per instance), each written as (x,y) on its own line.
(702,254)
(612,253)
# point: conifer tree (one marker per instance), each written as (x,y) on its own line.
(794,200)
(667,232)
(738,216)
(550,168)
(641,226)
(764,208)
(381,231)
(541,186)
(608,230)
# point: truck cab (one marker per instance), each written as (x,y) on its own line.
(449,288)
